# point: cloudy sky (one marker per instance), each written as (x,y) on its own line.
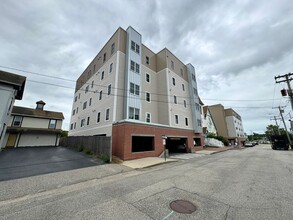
(237,47)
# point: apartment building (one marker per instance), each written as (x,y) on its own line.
(28,127)
(208,122)
(11,88)
(228,123)
(136,96)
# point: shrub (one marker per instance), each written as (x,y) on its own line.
(105,158)
(80,148)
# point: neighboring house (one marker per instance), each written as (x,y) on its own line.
(136,96)
(11,88)
(208,122)
(33,127)
(228,123)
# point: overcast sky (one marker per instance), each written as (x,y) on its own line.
(236,47)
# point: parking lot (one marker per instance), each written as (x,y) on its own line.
(25,162)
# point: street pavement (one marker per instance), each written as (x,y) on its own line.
(254,183)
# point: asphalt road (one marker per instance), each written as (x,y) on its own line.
(254,183)
(25,162)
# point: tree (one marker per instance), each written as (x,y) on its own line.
(274,130)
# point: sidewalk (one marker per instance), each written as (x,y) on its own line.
(147,162)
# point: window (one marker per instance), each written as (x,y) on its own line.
(148,117)
(181,71)
(102,75)
(112,48)
(82,122)
(111,67)
(17,121)
(147,96)
(86,89)
(101,94)
(134,66)
(52,123)
(142,143)
(194,91)
(175,99)
(137,68)
(98,117)
(107,114)
(92,84)
(183,87)
(88,121)
(193,77)
(84,105)
(174,81)
(94,68)
(78,95)
(147,77)
(199,122)
(184,102)
(73,112)
(132,45)
(133,113)
(74,125)
(104,57)
(172,65)
(109,89)
(75,98)
(76,110)
(186,121)
(134,89)
(90,102)
(176,119)
(71,126)
(147,60)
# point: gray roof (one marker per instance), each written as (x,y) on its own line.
(17,81)
(17,110)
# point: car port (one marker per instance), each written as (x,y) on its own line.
(176,144)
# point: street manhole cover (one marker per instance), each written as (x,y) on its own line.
(182,206)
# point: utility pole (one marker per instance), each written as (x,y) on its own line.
(287,79)
(288,136)
(275,119)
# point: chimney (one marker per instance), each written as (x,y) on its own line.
(40,105)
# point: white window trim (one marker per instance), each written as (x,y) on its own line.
(146,116)
(106,114)
(146,97)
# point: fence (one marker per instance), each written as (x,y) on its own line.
(99,145)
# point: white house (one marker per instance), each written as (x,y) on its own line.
(33,127)
(11,88)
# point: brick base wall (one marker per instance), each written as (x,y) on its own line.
(122,139)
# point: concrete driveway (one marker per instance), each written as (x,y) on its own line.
(25,162)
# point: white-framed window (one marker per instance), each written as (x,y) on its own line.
(134,89)
(88,121)
(135,47)
(17,121)
(183,87)
(147,77)
(184,103)
(175,99)
(71,126)
(92,84)
(133,113)
(86,89)
(137,68)
(73,112)
(109,89)
(75,98)
(111,68)
(172,64)
(102,75)
(148,117)
(199,122)
(84,105)
(74,125)
(101,94)
(176,119)
(107,114)
(104,57)
(76,110)
(82,122)
(148,97)
(112,48)
(90,102)
(52,123)
(147,60)
(134,66)
(98,117)
(174,81)
(186,121)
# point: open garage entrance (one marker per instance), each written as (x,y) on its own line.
(176,145)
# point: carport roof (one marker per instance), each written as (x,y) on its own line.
(17,110)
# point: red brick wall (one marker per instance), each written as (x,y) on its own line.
(122,137)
